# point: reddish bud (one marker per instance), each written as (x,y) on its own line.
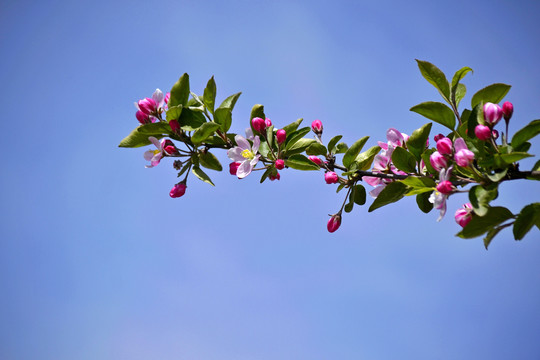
(482,132)
(495,134)
(492,113)
(444,146)
(268,122)
(275,176)
(280,164)
(331,177)
(445,187)
(233,167)
(142,117)
(258,124)
(317,127)
(508,110)
(438,161)
(315,159)
(175,126)
(281,136)
(438,137)
(464,215)
(178,190)
(147,106)
(333,223)
(167,97)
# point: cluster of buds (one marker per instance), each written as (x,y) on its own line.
(446,150)
(493,113)
(149,109)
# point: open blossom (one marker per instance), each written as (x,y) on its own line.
(463,156)
(394,139)
(464,215)
(437,198)
(165,148)
(333,223)
(150,106)
(245,154)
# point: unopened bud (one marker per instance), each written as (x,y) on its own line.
(438,137)
(444,146)
(482,132)
(438,161)
(317,160)
(268,122)
(333,223)
(258,124)
(508,110)
(495,134)
(317,127)
(142,117)
(492,113)
(281,136)
(464,215)
(233,167)
(280,164)
(175,126)
(331,177)
(275,176)
(445,187)
(147,106)
(178,190)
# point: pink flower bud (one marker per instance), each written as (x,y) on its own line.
(275,176)
(317,127)
(280,164)
(331,177)
(333,223)
(495,134)
(315,159)
(438,161)
(464,215)
(438,137)
(178,190)
(175,126)
(168,146)
(268,122)
(142,117)
(258,124)
(463,156)
(482,132)
(281,136)
(233,167)
(167,97)
(445,187)
(508,110)
(444,146)
(492,113)
(147,106)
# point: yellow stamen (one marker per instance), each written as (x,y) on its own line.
(247,154)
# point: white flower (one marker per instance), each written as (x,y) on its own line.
(245,154)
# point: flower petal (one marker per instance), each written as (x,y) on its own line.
(256,143)
(244,169)
(242,142)
(235,154)
(155,141)
(459,144)
(148,155)
(394,137)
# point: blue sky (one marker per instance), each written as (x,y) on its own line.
(97,262)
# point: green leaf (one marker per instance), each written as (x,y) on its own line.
(301,162)
(364,160)
(419,185)
(257,111)
(204,132)
(481,197)
(180,92)
(391,193)
(209,97)
(139,136)
(437,112)
(231,101)
(475,118)
(490,235)
(482,224)
(493,93)
(223,116)
(527,218)
(422,200)
(435,77)
(333,141)
(404,160)
(292,126)
(267,173)
(460,93)
(316,148)
(359,194)
(209,161)
(201,175)
(173,113)
(270,135)
(528,132)
(350,205)
(191,120)
(353,151)
(497,175)
(295,136)
(264,150)
(511,158)
(418,140)
(460,74)
(341,148)
(300,146)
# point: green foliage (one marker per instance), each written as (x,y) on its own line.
(493,93)
(435,77)
(332,143)
(526,219)
(203,132)
(422,200)
(391,193)
(352,152)
(301,162)
(139,136)
(480,198)
(526,133)
(201,175)
(481,224)
(180,92)
(437,112)
(209,95)
(404,160)
(363,161)
(209,161)
(418,140)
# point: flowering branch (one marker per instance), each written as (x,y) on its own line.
(468,159)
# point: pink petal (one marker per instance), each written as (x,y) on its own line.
(244,170)
(256,143)
(235,154)
(242,142)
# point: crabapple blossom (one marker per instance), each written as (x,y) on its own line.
(165,148)
(178,190)
(444,146)
(258,124)
(508,110)
(438,137)
(331,177)
(245,154)
(142,117)
(495,134)
(463,156)
(275,176)
(438,161)
(437,198)
(317,160)
(268,122)
(445,187)
(280,164)
(281,136)
(333,223)
(464,215)
(482,132)
(233,167)
(492,113)
(175,126)
(317,127)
